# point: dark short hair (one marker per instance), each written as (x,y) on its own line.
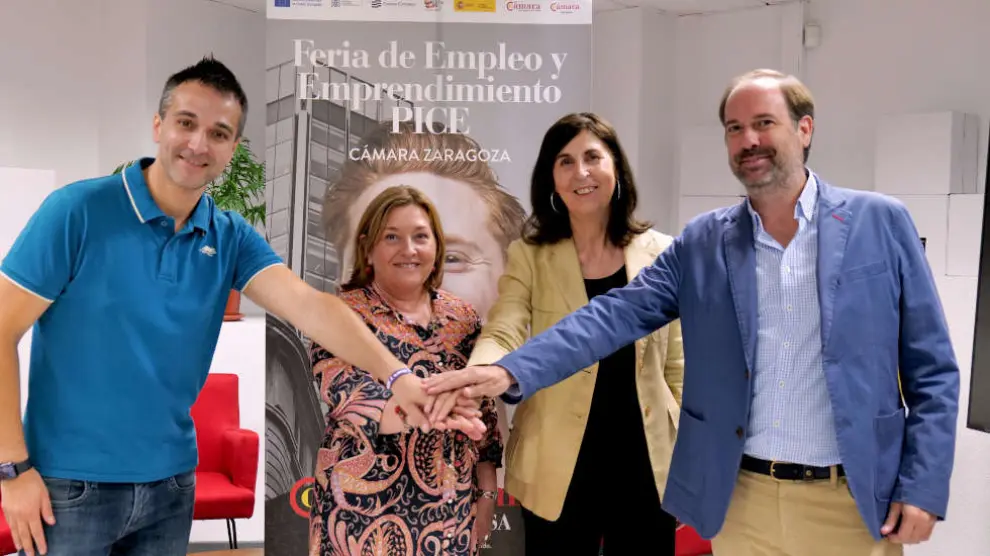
(546,225)
(212,73)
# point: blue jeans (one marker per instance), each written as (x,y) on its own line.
(121,519)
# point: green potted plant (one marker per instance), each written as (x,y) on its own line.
(240,188)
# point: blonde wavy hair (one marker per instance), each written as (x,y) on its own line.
(372,227)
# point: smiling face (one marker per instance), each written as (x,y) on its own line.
(404,255)
(765,146)
(584,175)
(473,260)
(197,135)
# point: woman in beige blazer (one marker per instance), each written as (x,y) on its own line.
(587,458)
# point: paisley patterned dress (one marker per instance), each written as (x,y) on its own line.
(406,494)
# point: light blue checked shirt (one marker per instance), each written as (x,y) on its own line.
(791,416)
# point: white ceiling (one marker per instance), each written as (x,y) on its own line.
(250,5)
(678,7)
(684,7)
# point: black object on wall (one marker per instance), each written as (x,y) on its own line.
(978,417)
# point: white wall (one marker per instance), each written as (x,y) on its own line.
(80,84)
(123,118)
(657,116)
(49,114)
(617,78)
(877,57)
(891,57)
(632,88)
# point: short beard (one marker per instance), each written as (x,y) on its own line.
(771,179)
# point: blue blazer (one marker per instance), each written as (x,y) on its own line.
(880,313)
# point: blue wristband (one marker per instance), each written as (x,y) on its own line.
(395,376)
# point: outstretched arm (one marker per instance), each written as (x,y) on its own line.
(260,275)
(323,317)
(354,397)
(509,319)
(591,333)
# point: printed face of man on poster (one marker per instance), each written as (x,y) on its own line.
(480,218)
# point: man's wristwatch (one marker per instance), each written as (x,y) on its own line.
(11,470)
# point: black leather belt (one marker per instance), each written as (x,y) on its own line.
(789,471)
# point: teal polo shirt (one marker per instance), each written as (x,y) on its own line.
(120,355)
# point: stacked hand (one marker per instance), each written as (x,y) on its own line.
(463,412)
(470,383)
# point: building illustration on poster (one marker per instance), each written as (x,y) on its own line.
(327,119)
(306,144)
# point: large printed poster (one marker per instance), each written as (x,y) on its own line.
(450,96)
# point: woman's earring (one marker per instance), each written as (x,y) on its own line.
(554,207)
(618,189)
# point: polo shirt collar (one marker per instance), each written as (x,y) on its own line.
(144,205)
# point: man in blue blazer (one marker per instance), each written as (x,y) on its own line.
(820,390)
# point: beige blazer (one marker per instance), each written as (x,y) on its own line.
(541,285)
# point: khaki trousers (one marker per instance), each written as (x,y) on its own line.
(768,517)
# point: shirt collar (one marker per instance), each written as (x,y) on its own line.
(808,200)
(144,205)
(806,204)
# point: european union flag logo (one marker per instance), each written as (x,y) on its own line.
(282,3)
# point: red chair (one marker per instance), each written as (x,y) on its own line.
(6,540)
(228,455)
(690,543)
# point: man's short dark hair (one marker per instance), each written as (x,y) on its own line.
(212,73)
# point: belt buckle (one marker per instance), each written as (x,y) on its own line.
(772,474)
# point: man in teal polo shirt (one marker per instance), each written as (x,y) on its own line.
(124,279)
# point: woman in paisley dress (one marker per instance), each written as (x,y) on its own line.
(382,488)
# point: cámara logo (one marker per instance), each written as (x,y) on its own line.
(512,6)
(564,7)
